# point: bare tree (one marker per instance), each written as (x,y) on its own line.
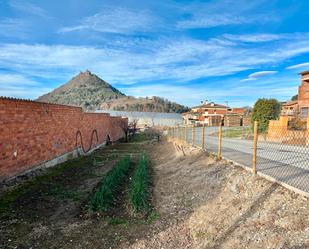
(123,124)
(133,126)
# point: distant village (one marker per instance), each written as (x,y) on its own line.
(214,114)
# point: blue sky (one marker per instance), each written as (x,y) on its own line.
(186,51)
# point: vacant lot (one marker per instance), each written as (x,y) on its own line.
(197,203)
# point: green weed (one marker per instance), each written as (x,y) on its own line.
(140,186)
(153,216)
(140,137)
(8,199)
(114,221)
(104,196)
(61,194)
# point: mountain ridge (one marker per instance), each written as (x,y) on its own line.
(90,92)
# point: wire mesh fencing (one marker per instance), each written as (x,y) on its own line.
(284,155)
(278,153)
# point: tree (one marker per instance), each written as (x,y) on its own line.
(133,126)
(295,97)
(123,124)
(265,110)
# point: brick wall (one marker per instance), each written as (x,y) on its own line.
(278,132)
(303,92)
(32,133)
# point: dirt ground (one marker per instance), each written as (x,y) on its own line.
(197,203)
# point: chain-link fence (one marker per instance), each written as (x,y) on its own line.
(278,153)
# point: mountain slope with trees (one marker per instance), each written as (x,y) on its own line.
(147,104)
(90,92)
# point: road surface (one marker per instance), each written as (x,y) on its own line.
(285,163)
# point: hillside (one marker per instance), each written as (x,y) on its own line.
(86,90)
(147,104)
(90,92)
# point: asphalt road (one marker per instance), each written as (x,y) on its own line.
(286,163)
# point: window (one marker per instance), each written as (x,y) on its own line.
(304,112)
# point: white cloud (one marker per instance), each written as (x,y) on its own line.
(13,27)
(223,13)
(179,59)
(256,75)
(116,20)
(28,8)
(23,92)
(213,21)
(15,79)
(254,37)
(301,65)
(234,93)
(20,86)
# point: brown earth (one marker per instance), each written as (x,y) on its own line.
(198,203)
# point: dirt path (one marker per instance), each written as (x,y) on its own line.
(198,203)
(209,204)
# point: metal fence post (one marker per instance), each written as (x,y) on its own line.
(255,139)
(219,142)
(203,137)
(193,132)
(186,130)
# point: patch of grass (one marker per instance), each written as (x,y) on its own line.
(98,161)
(153,216)
(201,234)
(61,194)
(140,137)
(118,237)
(9,198)
(105,194)
(187,202)
(237,132)
(139,194)
(115,221)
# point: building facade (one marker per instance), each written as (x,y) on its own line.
(300,107)
(213,114)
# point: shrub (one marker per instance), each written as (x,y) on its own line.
(104,196)
(265,110)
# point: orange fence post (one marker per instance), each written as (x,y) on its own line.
(193,132)
(181,135)
(219,142)
(255,139)
(203,137)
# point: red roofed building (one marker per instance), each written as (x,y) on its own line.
(212,114)
(299,107)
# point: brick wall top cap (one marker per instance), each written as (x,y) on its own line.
(33,101)
(304,72)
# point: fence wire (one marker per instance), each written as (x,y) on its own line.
(281,154)
(284,155)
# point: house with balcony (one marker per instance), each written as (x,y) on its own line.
(213,114)
(300,107)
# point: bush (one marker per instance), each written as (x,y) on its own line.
(265,110)
(104,196)
(140,187)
